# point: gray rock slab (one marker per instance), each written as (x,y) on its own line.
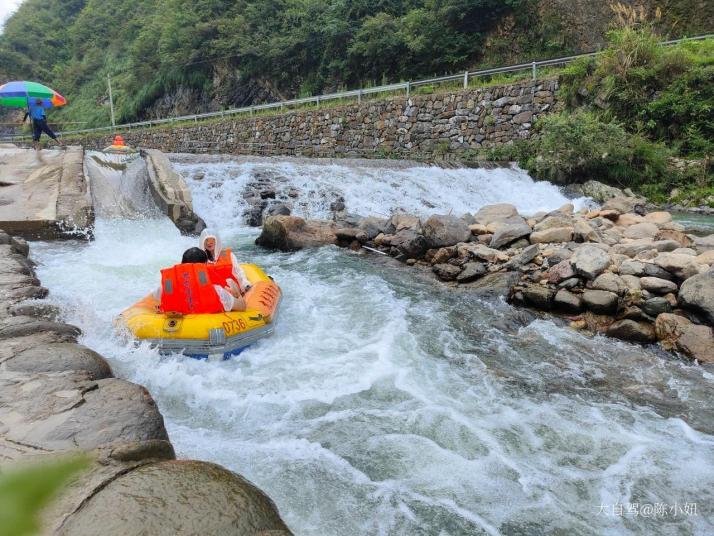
(177,497)
(59,357)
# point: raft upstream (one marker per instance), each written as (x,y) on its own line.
(208,336)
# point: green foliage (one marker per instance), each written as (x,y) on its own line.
(666,93)
(575,147)
(24,492)
(291,47)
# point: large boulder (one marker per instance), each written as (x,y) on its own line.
(659,217)
(521,259)
(642,230)
(697,294)
(600,301)
(657,285)
(410,243)
(493,213)
(552,235)
(703,243)
(677,333)
(59,357)
(539,297)
(681,266)
(656,306)
(610,282)
(598,191)
(509,232)
(443,231)
(446,272)
(173,497)
(567,301)
(590,261)
(495,285)
(630,330)
(288,233)
(66,411)
(471,271)
(624,204)
(560,272)
(372,226)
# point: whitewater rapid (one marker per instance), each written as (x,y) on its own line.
(388,404)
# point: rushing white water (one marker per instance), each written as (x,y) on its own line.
(386,404)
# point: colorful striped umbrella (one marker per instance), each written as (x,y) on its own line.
(17,93)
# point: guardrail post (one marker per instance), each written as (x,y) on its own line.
(318,102)
(534,70)
(251,110)
(466,80)
(409,88)
(359,96)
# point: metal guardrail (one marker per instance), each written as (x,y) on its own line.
(356,93)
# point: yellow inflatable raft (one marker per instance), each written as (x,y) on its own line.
(204,336)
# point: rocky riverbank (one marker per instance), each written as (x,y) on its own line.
(57,396)
(616,270)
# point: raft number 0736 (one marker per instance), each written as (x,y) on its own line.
(234,326)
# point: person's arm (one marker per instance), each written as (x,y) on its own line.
(239,274)
(25,117)
(229,302)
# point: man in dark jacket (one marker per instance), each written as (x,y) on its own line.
(36,113)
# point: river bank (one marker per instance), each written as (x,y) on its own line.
(633,276)
(60,397)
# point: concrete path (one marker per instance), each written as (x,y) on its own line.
(44,194)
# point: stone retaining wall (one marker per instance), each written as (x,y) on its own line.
(419,126)
(57,396)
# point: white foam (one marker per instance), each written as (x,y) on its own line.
(383,405)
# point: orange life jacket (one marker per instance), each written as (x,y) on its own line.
(222,269)
(187,289)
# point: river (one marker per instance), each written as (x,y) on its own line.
(388,404)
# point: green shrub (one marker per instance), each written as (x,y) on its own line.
(580,146)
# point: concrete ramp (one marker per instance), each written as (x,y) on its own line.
(44,194)
(171,193)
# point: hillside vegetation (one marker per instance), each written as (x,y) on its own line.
(168,57)
(640,115)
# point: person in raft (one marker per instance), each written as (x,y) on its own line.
(37,116)
(224,260)
(191,288)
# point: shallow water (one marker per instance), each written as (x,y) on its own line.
(387,404)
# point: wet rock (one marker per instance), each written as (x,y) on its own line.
(59,357)
(65,411)
(600,301)
(20,246)
(657,285)
(288,233)
(19,326)
(372,226)
(494,285)
(479,251)
(471,272)
(446,272)
(697,294)
(590,261)
(508,233)
(351,233)
(630,330)
(677,333)
(442,255)
(682,266)
(45,311)
(442,231)
(177,497)
(656,306)
(400,222)
(567,302)
(539,297)
(410,243)
(522,258)
(276,209)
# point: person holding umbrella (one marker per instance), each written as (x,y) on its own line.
(34,97)
(36,113)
